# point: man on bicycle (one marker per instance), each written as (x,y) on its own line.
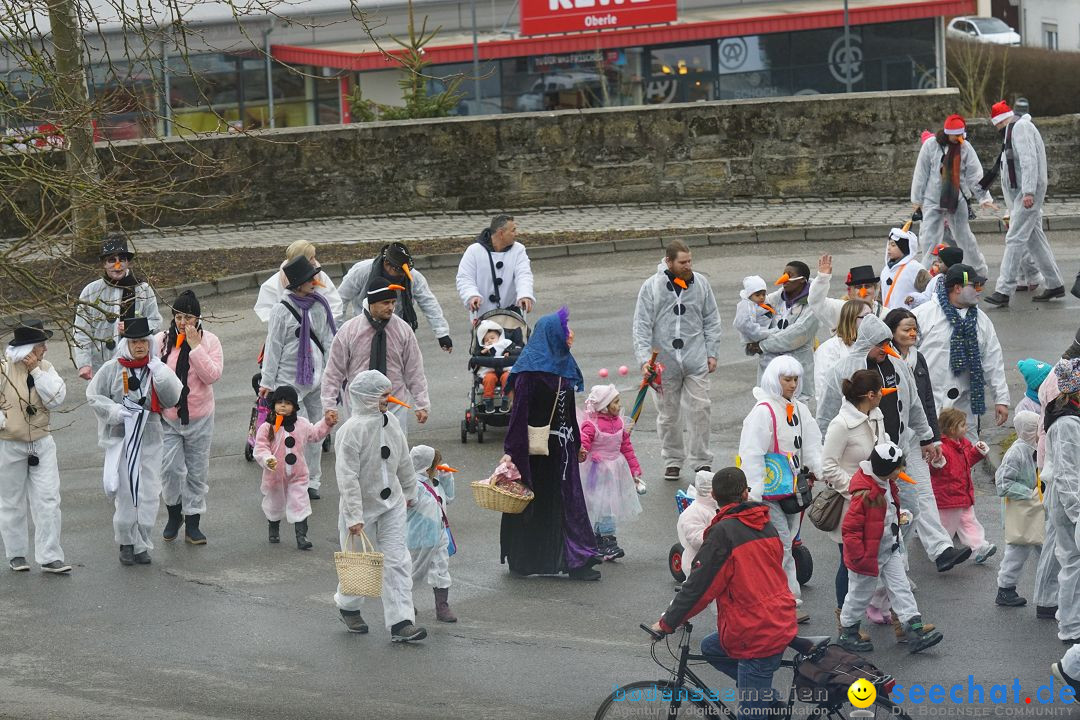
(740,565)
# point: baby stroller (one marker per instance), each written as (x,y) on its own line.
(804,561)
(477,416)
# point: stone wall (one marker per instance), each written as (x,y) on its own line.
(863,144)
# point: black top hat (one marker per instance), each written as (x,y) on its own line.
(961,274)
(116,246)
(30,332)
(862,275)
(299,270)
(137,328)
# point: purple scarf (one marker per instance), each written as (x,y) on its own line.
(305,360)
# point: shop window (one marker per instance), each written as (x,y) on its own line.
(593,78)
(680,74)
(489,102)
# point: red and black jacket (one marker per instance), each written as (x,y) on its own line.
(740,565)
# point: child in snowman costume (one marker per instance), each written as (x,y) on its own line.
(752,315)
(902,276)
(376,479)
(429,530)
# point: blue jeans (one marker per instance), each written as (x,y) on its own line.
(753,678)
(605,525)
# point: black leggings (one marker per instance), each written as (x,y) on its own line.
(841,579)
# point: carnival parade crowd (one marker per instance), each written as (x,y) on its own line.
(867,415)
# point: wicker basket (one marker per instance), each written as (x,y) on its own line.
(492,497)
(359,573)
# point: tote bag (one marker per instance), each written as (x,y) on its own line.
(538,434)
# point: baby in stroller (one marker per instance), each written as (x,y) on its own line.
(492,344)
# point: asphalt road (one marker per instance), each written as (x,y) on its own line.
(242,629)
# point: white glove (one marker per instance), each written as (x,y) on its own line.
(939,463)
(155,364)
(982,447)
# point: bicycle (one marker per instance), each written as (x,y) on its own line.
(685,695)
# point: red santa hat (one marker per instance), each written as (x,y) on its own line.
(954,125)
(1000,112)
(926,135)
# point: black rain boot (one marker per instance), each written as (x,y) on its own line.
(301,535)
(176,519)
(127,554)
(851,640)
(443,613)
(275,528)
(919,638)
(192,533)
(1076,286)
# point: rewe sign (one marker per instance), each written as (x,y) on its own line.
(541,17)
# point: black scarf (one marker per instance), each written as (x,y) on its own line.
(950,173)
(1061,407)
(377,360)
(405,301)
(127,286)
(992,174)
(183,365)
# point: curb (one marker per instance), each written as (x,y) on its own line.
(812,233)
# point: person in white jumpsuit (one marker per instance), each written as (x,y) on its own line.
(195,355)
(676,315)
(1017,480)
(29,389)
(289,359)
(127,395)
(795,326)
(780,423)
(106,304)
(395,263)
(429,529)
(903,275)
(929,190)
(1062,473)
(495,271)
(949,314)
(1023,183)
(376,479)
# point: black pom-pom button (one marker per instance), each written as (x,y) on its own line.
(290,459)
(290,442)
(385,452)
(385,493)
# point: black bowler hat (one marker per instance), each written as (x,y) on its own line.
(30,332)
(116,245)
(961,274)
(137,328)
(862,275)
(299,270)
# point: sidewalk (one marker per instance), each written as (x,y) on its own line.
(820,219)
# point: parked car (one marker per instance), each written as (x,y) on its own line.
(983,29)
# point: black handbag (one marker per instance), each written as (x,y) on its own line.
(827,510)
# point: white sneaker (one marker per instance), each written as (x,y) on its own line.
(984,553)
(639,485)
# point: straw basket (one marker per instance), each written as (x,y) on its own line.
(491,497)
(360,573)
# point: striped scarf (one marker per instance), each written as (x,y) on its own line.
(950,177)
(964,348)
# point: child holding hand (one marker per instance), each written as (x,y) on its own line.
(279,449)
(953,489)
(610,472)
(752,315)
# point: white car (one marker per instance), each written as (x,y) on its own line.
(983,29)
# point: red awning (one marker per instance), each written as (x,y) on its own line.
(676,33)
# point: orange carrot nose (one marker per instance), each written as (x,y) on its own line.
(398,402)
(446,468)
(906,478)
(890,351)
(863,292)
(277,422)
(316,281)
(887,391)
(783,279)
(179,340)
(790,412)
(907,226)
(396,287)
(405,269)
(117,266)
(680,282)
(763,306)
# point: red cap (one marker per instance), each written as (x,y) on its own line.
(1000,112)
(938,249)
(926,135)
(954,125)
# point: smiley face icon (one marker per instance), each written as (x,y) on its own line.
(862,693)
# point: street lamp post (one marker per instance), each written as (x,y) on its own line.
(475,59)
(847,48)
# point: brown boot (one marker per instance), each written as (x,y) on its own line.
(863,636)
(898,628)
(443,613)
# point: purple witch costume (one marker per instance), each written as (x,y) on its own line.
(553,534)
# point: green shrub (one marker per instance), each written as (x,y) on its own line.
(986,73)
